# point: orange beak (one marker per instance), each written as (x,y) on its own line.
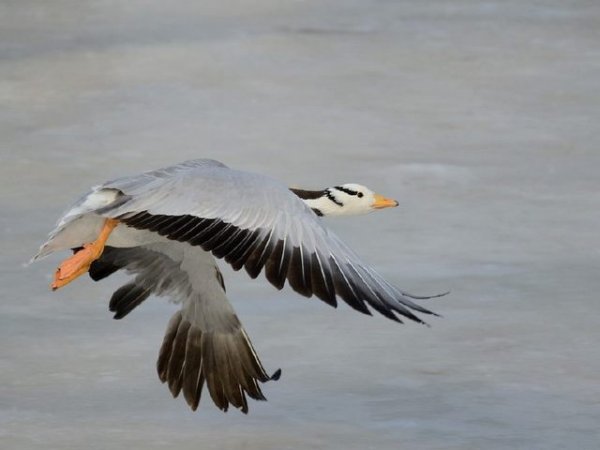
(383,202)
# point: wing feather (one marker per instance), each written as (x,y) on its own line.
(257,223)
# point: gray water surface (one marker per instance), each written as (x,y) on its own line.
(480,117)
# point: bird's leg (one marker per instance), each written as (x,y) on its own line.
(80,262)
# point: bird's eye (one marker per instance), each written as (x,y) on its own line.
(360,195)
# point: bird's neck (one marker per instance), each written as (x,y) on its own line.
(321,202)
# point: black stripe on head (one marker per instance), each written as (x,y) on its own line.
(349,191)
(330,196)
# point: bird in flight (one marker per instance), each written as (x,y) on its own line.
(167,227)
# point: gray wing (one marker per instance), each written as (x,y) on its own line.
(255,222)
(205,343)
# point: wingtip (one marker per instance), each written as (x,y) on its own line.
(425,297)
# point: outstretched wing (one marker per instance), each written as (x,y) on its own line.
(205,343)
(255,222)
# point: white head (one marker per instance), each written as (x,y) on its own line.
(346,200)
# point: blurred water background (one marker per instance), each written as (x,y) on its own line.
(480,117)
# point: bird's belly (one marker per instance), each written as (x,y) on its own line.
(124,236)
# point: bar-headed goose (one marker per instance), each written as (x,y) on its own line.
(167,226)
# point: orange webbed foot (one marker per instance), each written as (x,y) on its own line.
(80,262)
(75,266)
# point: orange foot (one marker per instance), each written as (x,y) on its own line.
(80,262)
